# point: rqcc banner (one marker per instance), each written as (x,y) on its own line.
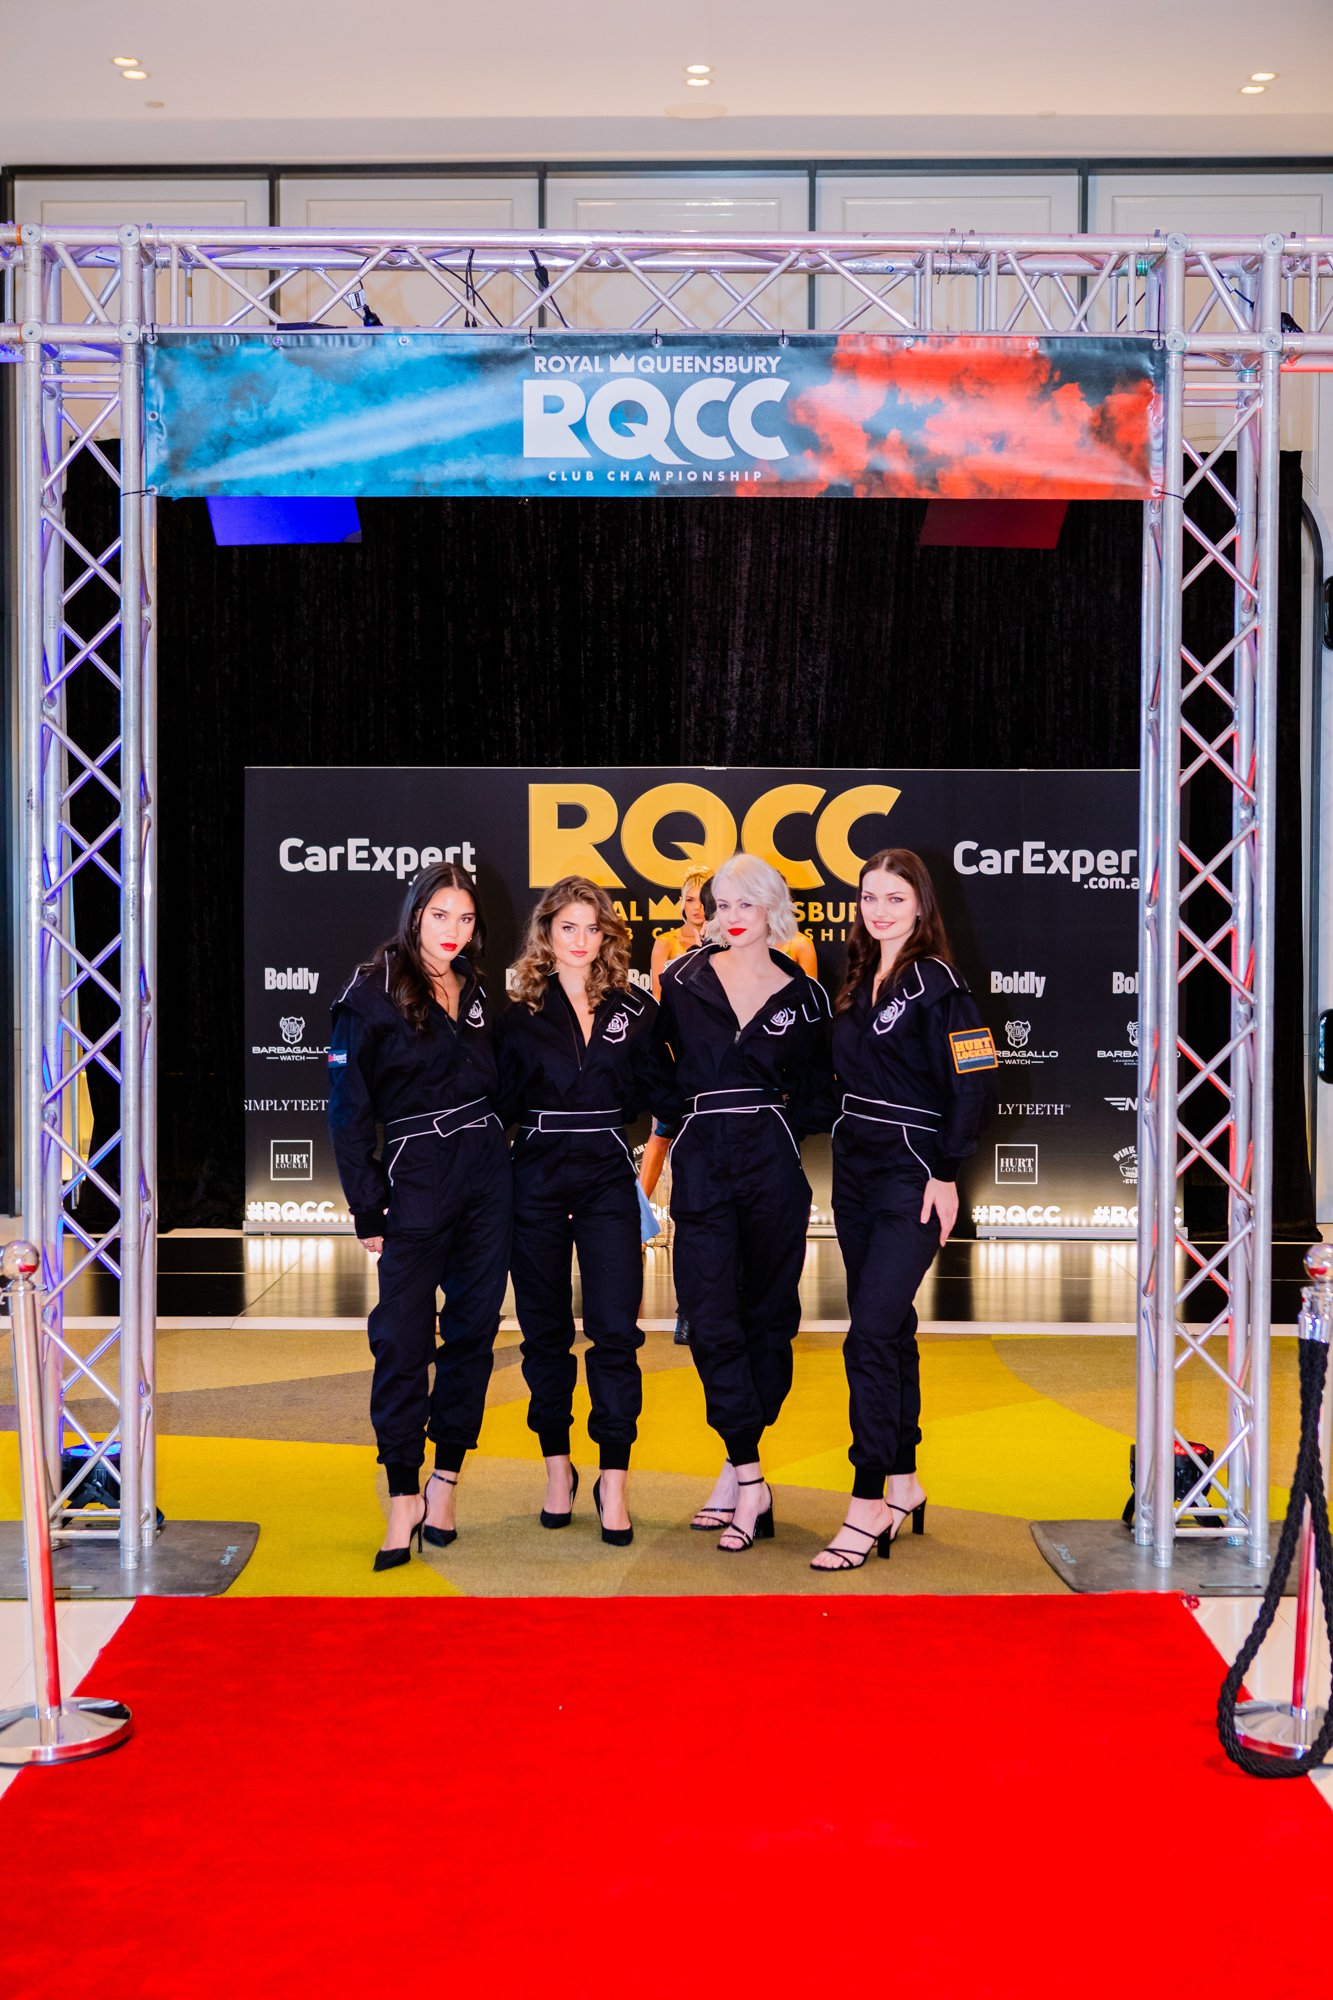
(1037,872)
(847,415)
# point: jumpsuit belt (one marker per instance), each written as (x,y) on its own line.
(880,1111)
(439,1124)
(711,1101)
(574,1121)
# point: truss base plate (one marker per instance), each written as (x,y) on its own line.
(1103,1555)
(188,1559)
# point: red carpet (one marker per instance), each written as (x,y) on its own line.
(754,1799)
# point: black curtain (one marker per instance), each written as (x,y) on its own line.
(737,631)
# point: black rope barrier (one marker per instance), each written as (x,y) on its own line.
(1307,1487)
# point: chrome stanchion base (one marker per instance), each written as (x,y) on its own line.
(82,1727)
(1276,1728)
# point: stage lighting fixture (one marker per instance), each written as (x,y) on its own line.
(264,522)
(126,62)
(1263,76)
(698,82)
(1253,89)
(1185,1474)
(101,1488)
(135,75)
(698,69)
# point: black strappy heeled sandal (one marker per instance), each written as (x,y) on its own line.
(395,1558)
(763,1527)
(440,1538)
(550,1520)
(882,1543)
(712,1520)
(918,1514)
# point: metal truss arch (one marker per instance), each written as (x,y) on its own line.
(78,305)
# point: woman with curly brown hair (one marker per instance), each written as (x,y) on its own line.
(576,1067)
(410,1053)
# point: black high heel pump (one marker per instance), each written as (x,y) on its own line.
(763,1527)
(549,1520)
(440,1538)
(619,1538)
(395,1558)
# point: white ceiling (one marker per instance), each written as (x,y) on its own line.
(402,80)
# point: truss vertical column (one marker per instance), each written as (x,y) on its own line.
(148,956)
(1157,1111)
(1206,1001)
(1153,1271)
(37,589)
(136,1298)
(1265,786)
(58,1106)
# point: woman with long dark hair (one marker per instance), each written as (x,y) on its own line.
(912,1060)
(576,1066)
(411,1053)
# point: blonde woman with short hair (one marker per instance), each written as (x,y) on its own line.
(746,1032)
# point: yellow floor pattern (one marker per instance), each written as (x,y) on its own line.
(1016,1428)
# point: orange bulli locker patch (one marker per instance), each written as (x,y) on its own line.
(972,1048)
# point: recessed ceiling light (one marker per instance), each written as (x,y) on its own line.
(126,62)
(1253,89)
(1263,76)
(135,75)
(698,82)
(698,69)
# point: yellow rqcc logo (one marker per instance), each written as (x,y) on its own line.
(572,827)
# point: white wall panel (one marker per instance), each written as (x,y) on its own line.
(1229,205)
(932,205)
(682,204)
(441,202)
(178,204)
(222,203)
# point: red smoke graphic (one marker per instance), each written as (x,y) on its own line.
(972,418)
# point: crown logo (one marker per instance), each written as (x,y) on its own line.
(621,365)
(662,907)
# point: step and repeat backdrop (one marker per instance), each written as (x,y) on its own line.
(1037,872)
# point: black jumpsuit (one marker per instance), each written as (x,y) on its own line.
(912,1065)
(438,1191)
(575,1189)
(742,1100)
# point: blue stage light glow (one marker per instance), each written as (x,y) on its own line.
(255,522)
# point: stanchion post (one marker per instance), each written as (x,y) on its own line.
(1281,1728)
(47,1730)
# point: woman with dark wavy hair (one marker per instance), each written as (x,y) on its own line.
(912,1057)
(576,1067)
(411,1052)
